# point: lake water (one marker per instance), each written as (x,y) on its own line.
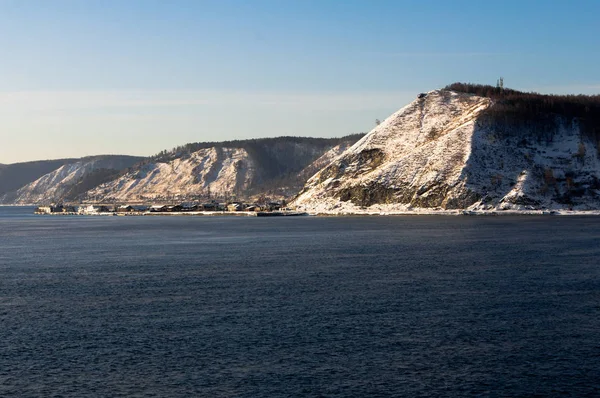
(298,306)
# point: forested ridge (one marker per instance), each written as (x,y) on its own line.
(533,113)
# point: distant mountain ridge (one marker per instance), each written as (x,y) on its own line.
(56,185)
(14,176)
(231,169)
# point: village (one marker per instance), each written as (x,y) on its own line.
(209,208)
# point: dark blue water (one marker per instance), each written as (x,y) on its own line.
(254,307)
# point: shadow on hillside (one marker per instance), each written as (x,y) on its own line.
(536,162)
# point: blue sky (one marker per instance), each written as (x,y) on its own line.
(87,77)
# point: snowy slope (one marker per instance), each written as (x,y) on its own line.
(215,170)
(221,171)
(436,154)
(324,160)
(16,175)
(52,186)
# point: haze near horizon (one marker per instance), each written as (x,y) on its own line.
(137,77)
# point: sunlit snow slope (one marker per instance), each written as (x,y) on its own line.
(216,170)
(222,171)
(53,186)
(435,153)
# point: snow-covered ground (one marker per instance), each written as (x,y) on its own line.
(435,156)
(214,170)
(332,207)
(323,160)
(52,186)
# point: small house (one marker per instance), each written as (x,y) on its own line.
(189,207)
(43,210)
(95,209)
(208,206)
(273,206)
(174,208)
(235,206)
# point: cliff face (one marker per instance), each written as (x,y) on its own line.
(442,152)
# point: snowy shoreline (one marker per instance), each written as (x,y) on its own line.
(462,213)
(158,214)
(331,207)
(365,213)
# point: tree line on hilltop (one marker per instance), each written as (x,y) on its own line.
(536,113)
(274,157)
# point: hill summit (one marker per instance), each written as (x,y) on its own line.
(469,147)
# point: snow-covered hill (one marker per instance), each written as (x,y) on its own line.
(16,175)
(234,169)
(195,171)
(323,160)
(210,170)
(440,153)
(53,186)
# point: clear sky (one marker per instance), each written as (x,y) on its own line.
(84,77)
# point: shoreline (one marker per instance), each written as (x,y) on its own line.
(454,213)
(341,213)
(498,213)
(183,214)
(469,213)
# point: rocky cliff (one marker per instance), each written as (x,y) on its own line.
(457,150)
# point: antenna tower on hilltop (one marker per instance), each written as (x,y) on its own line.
(500,83)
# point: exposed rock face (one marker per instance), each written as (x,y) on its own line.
(440,153)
